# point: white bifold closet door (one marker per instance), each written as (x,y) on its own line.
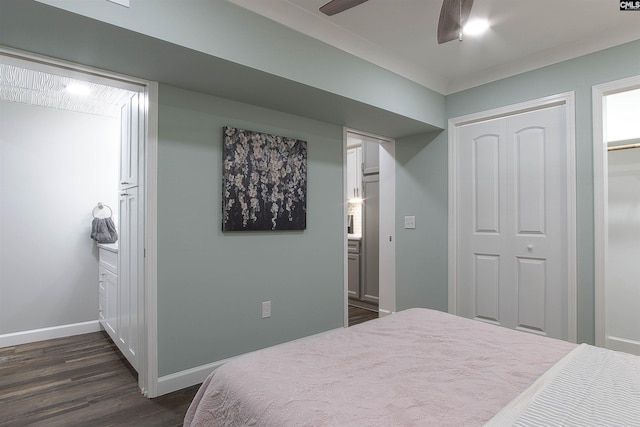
(512,258)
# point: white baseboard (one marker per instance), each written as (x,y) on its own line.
(622,344)
(25,337)
(187,378)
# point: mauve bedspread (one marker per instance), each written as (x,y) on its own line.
(417,367)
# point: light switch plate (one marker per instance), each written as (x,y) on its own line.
(410,222)
(266,309)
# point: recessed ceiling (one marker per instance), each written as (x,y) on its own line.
(34,87)
(400,35)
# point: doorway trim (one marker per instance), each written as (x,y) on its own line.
(147,290)
(567,99)
(600,197)
(387,256)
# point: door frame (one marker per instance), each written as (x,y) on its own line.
(600,197)
(567,99)
(147,284)
(387,255)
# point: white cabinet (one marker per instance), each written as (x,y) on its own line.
(108,289)
(354,172)
(119,286)
(119,273)
(129,148)
(128,278)
(117,303)
(119,280)
(370,157)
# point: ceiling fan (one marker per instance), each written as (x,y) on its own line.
(453,16)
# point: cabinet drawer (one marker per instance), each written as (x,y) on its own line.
(109,260)
(353,246)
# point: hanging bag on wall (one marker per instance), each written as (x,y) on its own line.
(103,230)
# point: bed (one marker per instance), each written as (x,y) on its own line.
(417,367)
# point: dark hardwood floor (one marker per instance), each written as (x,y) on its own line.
(85,381)
(79,381)
(359,315)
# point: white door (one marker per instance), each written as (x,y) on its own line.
(512,256)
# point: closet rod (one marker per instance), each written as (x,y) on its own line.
(623,147)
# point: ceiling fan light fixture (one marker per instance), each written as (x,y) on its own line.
(337,6)
(475,27)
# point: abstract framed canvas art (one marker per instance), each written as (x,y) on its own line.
(264,181)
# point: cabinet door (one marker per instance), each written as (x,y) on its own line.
(128,275)
(130,132)
(371,239)
(102,295)
(354,172)
(370,157)
(354,275)
(108,318)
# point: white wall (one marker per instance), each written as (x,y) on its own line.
(55,166)
(622,116)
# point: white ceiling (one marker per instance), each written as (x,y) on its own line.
(400,35)
(36,87)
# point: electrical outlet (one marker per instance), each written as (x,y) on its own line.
(409,222)
(266,309)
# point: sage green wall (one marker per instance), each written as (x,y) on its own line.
(421,253)
(211,284)
(422,278)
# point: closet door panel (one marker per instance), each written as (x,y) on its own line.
(512,255)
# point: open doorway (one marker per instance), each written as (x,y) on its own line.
(76,140)
(617,213)
(370,219)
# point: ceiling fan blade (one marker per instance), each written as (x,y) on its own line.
(453,16)
(337,6)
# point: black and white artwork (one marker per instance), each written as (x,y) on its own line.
(264,182)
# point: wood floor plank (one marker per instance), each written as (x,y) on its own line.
(359,315)
(79,381)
